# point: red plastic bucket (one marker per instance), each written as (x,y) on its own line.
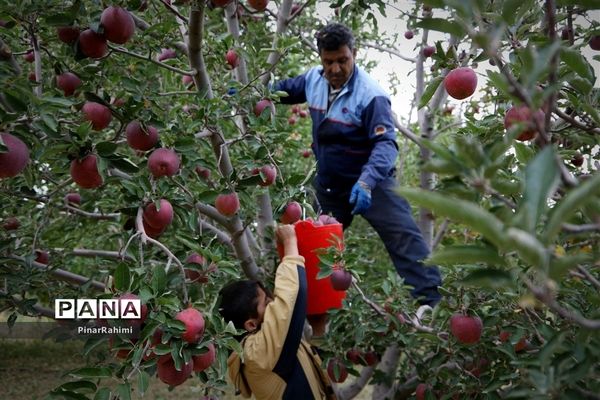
(321,295)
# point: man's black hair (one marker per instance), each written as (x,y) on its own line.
(333,36)
(239,301)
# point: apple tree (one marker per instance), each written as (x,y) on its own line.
(143,155)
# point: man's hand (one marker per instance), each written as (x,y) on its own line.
(361,196)
(286,235)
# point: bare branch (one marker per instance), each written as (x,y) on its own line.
(379,310)
(152,60)
(174,11)
(282,17)
(100,253)
(581,228)
(75,210)
(393,52)
(222,236)
(406,131)
(212,213)
(195,42)
(575,122)
(41,310)
(546,297)
(353,389)
(440,233)
(588,275)
(64,275)
(145,238)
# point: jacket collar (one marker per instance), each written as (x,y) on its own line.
(349,85)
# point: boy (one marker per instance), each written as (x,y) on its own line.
(277,362)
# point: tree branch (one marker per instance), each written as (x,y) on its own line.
(75,210)
(576,123)
(152,60)
(393,52)
(195,42)
(282,17)
(353,389)
(101,253)
(588,275)
(223,237)
(546,297)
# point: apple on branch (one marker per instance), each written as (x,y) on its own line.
(15,159)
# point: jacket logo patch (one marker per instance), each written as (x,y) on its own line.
(379,130)
(345,110)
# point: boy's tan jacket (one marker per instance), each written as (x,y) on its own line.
(277,363)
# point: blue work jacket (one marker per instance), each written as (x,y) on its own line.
(355,138)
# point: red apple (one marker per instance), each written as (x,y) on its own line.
(194,324)
(232,58)
(409,35)
(140,137)
(29,56)
(295,8)
(428,51)
(32,76)
(168,374)
(336,370)
(11,223)
(68,82)
(306,153)
(42,257)
(303,114)
(258,5)
(340,279)
(227,204)
(118,102)
(268,174)
(371,358)
(595,42)
(163,162)
(521,345)
(187,80)
(205,360)
(167,54)
(98,114)
(68,34)
(192,274)
(461,83)
(85,172)
(220,3)
(92,44)
(13,161)
(577,160)
(158,219)
(203,173)
(466,329)
(354,356)
(261,106)
(522,114)
(154,233)
(504,336)
(118,24)
(421,391)
(73,198)
(295,109)
(292,213)
(292,120)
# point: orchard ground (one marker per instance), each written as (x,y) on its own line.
(43,363)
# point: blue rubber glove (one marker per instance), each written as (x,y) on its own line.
(361,196)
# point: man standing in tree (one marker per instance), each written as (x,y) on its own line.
(354,142)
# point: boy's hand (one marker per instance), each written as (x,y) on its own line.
(286,235)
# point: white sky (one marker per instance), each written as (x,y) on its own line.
(401,102)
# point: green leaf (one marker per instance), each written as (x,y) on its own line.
(529,248)
(488,277)
(441,25)
(11,320)
(92,372)
(102,394)
(159,280)
(465,254)
(459,210)
(143,382)
(122,277)
(124,164)
(561,265)
(577,62)
(429,91)
(106,149)
(570,203)
(79,385)
(541,180)
(162,349)
(523,152)
(124,390)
